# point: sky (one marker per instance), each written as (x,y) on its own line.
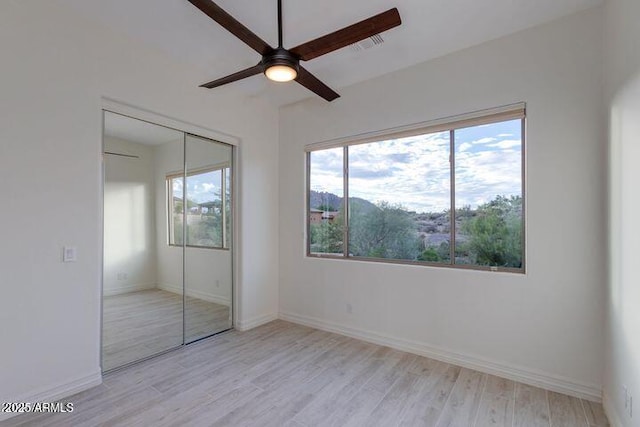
(201,188)
(414,172)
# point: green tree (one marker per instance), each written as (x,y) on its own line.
(327,237)
(206,231)
(389,231)
(495,233)
(430,255)
(326,208)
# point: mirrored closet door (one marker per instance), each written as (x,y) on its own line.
(208,229)
(167,272)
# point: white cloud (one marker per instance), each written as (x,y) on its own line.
(483,140)
(464,146)
(326,171)
(507,143)
(414,172)
(482,176)
(208,187)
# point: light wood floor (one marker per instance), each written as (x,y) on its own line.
(282,374)
(140,324)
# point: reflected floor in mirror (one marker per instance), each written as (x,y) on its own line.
(141,324)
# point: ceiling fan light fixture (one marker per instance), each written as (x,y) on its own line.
(280,66)
(281,73)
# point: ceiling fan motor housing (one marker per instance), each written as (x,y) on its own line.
(281,56)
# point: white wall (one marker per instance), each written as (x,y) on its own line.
(55,68)
(129,218)
(622,69)
(544,327)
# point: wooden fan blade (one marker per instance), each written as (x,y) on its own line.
(232,25)
(311,82)
(252,71)
(348,35)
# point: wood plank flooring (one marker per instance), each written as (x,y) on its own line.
(282,374)
(140,324)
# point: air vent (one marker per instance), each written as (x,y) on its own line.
(367,43)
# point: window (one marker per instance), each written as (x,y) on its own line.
(208,196)
(448,194)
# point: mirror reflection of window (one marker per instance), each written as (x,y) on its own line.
(208,197)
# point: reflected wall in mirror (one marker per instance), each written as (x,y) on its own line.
(150,203)
(140,318)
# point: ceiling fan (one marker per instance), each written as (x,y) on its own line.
(283,65)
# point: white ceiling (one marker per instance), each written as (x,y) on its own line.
(430,28)
(123,127)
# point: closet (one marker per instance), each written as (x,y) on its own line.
(168,239)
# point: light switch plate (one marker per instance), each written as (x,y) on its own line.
(69,254)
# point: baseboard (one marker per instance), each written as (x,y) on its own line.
(124,289)
(615,420)
(527,376)
(245,325)
(58,392)
(205,296)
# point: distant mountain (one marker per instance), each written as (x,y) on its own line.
(361,206)
(324,199)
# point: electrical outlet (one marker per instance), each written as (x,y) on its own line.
(628,401)
(123,276)
(626,396)
(349,308)
(217,283)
